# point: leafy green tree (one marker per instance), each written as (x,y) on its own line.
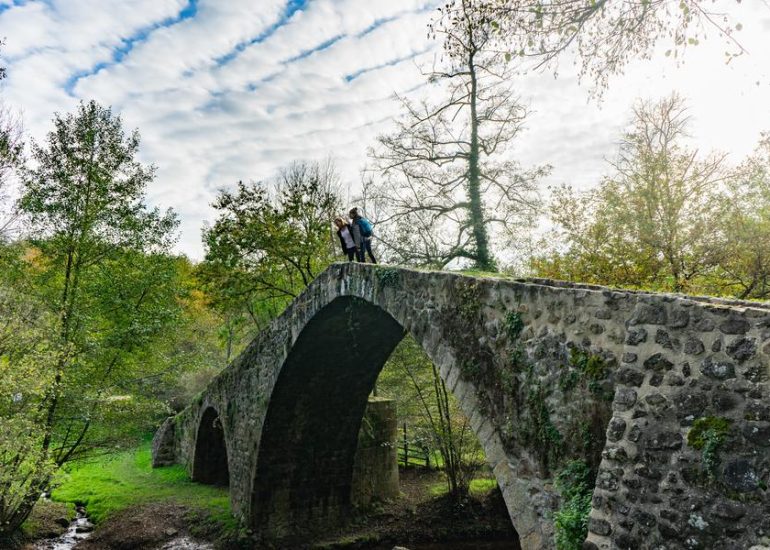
(447,179)
(96,262)
(269,242)
(196,351)
(24,380)
(656,221)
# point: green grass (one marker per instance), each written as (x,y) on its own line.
(111,484)
(484,274)
(482,486)
(478,487)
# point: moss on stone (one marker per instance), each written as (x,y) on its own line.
(705,428)
(538,431)
(707,435)
(468,295)
(388,277)
(513,325)
(588,369)
(591,365)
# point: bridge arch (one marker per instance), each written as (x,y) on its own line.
(304,470)
(210,462)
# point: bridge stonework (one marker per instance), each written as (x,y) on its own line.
(665,396)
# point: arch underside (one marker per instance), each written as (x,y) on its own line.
(210,463)
(309,438)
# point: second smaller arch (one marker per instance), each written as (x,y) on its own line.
(210,463)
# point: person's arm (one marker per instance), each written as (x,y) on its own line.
(342,242)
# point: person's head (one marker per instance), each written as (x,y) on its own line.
(339,222)
(353,213)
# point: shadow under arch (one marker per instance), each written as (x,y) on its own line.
(304,468)
(210,461)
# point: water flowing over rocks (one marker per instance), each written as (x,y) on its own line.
(79,530)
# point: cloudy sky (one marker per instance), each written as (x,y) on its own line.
(228,90)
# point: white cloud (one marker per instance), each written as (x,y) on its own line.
(223,91)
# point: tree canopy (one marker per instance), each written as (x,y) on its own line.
(603,36)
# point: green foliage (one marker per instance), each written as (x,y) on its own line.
(708,435)
(432,415)
(666,218)
(96,265)
(269,242)
(24,381)
(568,380)
(477,487)
(588,369)
(745,271)
(517,356)
(468,300)
(513,325)
(591,365)
(538,431)
(509,380)
(706,428)
(470,370)
(575,484)
(388,277)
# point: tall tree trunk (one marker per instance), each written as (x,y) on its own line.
(484,260)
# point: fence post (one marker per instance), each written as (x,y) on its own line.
(406,449)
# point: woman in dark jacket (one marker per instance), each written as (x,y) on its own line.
(346,238)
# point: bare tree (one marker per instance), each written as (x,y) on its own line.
(11,148)
(445,175)
(604,35)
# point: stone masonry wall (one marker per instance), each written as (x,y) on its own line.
(665,397)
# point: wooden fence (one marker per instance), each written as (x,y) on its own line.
(411,453)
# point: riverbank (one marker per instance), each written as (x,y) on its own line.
(149,505)
(424,514)
(135,506)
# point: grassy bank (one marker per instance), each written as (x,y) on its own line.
(112,484)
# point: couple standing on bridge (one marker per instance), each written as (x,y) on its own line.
(356,236)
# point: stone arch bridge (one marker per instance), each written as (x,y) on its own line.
(664,396)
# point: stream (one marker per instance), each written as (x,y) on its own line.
(79,529)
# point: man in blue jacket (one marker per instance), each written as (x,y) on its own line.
(362,235)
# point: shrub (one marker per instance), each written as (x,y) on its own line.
(571,519)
